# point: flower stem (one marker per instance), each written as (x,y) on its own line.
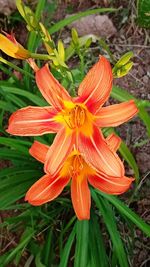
(40,56)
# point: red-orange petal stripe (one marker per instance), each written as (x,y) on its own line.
(58,151)
(96,86)
(98,154)
(81,199)
(33,121)
(113,141)
(51,89)
(39,151)
(111,185)
(116,114)
(46,189)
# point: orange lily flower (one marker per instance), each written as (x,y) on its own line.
(75,119)
(12,48)
(49,187)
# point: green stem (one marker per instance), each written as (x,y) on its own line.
(81,56)
(15,67)
(40,56)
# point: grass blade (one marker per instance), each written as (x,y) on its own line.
(97,247)
(126,211)
(109,219)
(66,251)
(82,241)
(61,24)
(127,155)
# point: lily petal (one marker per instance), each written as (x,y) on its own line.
(81,199)
(12,48)
(50,88)
(97,153)
(110,185)
(58,151)
(96,86)
(113,141)
(33,121)
(39,151)
(46,189)
(116,114)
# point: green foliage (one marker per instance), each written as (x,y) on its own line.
(143,9)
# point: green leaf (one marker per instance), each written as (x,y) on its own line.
(97,246)
(82,241)
(110,221)
(61,24)
(126,211)
(9,88)
(145,117)
(67,248)
(47,249)
(33,41)
(70,50)
(38,262)
(125,152)
(122,95)
(25,239)
(127,155)
(17,144)
(14,187)
(143,8)
(15,100)
(28,74)
(6,153)
(5,106)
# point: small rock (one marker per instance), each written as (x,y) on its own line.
(140,71)
(143,160)
(145,79)
(7,7)
(99,25)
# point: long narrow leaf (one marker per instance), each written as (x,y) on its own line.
(127,155)
(122,95)
(66,251)
(109,219)
(9,88)
(61,24)
(97,246)
(125,210)
(27,235)
(82,240)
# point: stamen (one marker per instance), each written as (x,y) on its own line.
(77,165)
(75,117)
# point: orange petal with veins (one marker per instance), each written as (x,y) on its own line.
(33,121)
(46,189)
(97,84)
(97,153)
(81,199)
(50,88)
(39,151)
(113,141)
(110,185)
(116,114)
(58,151)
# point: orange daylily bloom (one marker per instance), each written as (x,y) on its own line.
(49,187)
(75,119)
(12,48)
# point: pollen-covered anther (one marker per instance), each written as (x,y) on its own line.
(77,165)
(75,117)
